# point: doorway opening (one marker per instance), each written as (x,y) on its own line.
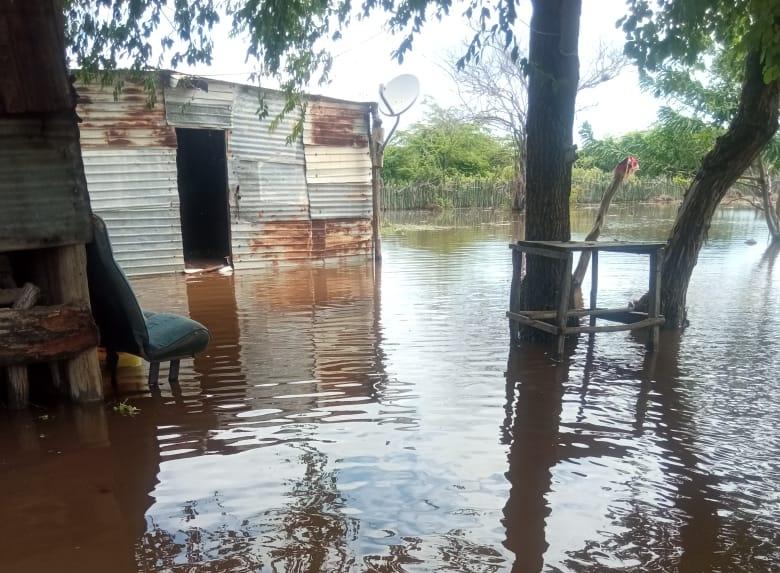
(201,163)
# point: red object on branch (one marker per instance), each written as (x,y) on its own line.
(628,166)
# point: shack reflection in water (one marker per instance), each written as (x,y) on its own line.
(347,421)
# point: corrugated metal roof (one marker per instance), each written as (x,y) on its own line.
(189,105)
(43,199)
(124,119)
(136,193)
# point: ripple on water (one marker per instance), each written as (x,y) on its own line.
(353,419)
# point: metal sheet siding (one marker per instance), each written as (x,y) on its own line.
(259,245)
(270,202)
(338,163)
(43,201)
(122,119)
(135,191)
(196,108)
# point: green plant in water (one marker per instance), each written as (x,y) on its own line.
(125,409)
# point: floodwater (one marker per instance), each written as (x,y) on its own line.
(347,419)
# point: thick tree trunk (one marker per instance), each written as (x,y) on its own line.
(553,74)
(751,129)
(518,197)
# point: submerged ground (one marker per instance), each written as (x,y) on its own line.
(347,419)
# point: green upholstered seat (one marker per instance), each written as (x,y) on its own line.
(172,336)
(123,326)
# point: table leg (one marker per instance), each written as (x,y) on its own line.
(654,304)
(563,304)
(594,284)
(514,293)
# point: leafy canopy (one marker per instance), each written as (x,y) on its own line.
(444,148)
(286,37)
(672,147)
(663,32)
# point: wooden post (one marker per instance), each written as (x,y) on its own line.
(514,292)
(594,284)
(654,304)
(18,381)
(563,304)
(377,159)
(66,271)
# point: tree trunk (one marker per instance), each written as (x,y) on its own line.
(553,74)
(752,128)
(770,212)
(518,198)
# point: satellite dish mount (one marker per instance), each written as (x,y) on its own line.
(397,97)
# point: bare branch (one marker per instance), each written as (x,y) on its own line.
(606,66)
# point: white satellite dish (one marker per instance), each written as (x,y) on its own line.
(399,94)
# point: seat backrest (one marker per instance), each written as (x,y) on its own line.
(114,305)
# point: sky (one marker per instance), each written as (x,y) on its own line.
(363,60)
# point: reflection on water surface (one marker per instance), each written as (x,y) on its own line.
(347,419)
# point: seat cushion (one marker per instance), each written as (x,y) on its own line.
(172,336)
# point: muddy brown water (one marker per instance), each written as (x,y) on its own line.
(351,420)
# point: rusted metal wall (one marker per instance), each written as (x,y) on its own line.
(129,153)
(198,103)
(270,204)
(338,163)
(43,195)
(305,200)
(338,175)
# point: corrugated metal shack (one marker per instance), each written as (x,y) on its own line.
(199,175)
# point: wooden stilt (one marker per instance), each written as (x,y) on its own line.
(18,387)
(66,270)
(18,381)
(594,284)
(563,304)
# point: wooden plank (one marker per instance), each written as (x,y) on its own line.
(564,293)
(539,251)
(45,333)
(594,284)
(616,327)
(609,246)
(514,291)
(575,312)
(545,326)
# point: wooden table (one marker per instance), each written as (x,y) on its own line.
(629,318)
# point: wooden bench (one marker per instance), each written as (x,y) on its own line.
(628,318)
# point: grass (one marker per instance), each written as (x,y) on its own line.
(125,409)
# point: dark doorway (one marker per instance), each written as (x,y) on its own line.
(201,161)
